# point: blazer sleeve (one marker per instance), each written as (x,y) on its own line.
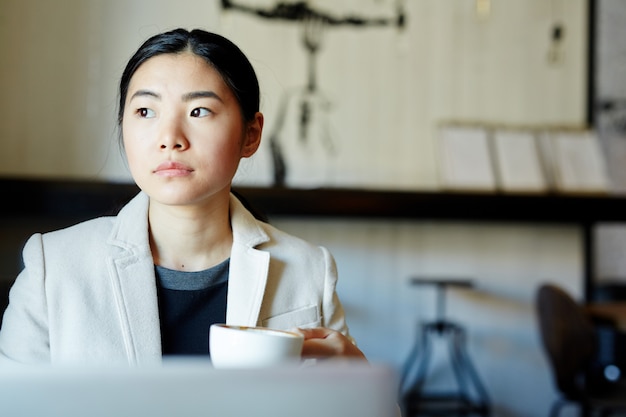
(24,336)
(333,312)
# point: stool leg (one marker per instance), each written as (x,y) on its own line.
(408,364)
(422,369)
(467,373)
(419,357)
(456,360)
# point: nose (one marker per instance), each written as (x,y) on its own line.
(173,136)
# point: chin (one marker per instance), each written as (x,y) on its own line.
(181,198)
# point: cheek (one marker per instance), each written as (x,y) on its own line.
(132,148)
(223,143)
(222,156)
(131,134)
(126,133)
(222,160)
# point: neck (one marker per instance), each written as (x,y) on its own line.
(190,238)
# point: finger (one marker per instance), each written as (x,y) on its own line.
(315,332)
(318,348)
(334,345)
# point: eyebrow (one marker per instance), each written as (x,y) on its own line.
(142,93)
(186,97)
(201,94)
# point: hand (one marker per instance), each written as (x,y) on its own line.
(321,342)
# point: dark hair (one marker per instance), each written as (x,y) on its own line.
(216,50)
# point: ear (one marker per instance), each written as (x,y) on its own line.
(252,136)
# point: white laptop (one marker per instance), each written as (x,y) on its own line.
(194,388)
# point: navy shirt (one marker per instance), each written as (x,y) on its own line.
(189,302)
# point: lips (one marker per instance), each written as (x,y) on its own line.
(173,169)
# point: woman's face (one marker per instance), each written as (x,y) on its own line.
(183,130)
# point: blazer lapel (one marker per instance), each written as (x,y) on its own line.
(132,275)
(248,268)
(246,285)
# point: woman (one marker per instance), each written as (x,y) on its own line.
(184,253)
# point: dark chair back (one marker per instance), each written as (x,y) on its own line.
(568,338)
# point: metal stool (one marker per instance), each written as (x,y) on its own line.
(470,398)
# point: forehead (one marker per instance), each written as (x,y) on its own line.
(185,71)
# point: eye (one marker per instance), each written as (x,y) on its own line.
(200,112)
(146,113)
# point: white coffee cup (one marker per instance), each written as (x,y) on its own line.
(253,347)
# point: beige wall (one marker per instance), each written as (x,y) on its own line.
(61,62)
(388,89)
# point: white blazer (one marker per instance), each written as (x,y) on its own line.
(88,293)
